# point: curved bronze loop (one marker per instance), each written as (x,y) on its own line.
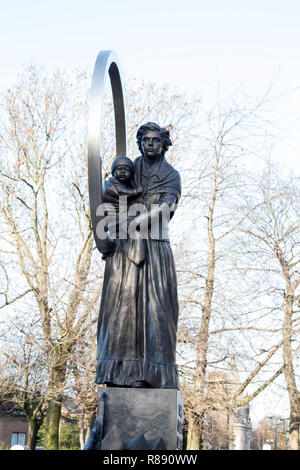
(107,64)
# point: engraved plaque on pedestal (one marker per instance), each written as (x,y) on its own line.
(155,413)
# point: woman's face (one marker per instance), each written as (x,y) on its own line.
(152,144)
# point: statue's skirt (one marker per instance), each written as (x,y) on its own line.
(138,318)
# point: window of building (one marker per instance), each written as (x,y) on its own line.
(18,412)
(18,438)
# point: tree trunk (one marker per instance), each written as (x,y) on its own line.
(289,371)
(194,436)
(287,333)
(53,420)
(58,376)
(294,434)
(82,433)
(32,433)
(86,424)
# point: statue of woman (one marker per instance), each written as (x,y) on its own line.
(138,315)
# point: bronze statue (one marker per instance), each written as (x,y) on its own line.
(121,185)
(138,315)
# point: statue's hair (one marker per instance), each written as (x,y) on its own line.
(152,126)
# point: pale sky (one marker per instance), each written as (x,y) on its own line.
(196,45)
(189,42)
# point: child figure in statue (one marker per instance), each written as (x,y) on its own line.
(121,184)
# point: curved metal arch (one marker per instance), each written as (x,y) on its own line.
(107,64)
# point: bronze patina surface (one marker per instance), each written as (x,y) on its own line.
(137,324)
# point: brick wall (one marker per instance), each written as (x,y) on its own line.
(9,424)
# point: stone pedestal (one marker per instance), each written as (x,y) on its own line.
(131,412)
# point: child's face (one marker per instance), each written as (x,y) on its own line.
(122,173)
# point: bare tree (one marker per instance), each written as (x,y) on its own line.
(34,146)
(275,231)
(25,378)
(218,305)
(49,269)
(271,431)
(84,389)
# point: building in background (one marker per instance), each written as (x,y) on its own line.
(241,429)
(13,426)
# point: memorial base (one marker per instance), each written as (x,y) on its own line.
(140,418)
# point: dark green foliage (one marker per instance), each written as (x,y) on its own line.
(69,436)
